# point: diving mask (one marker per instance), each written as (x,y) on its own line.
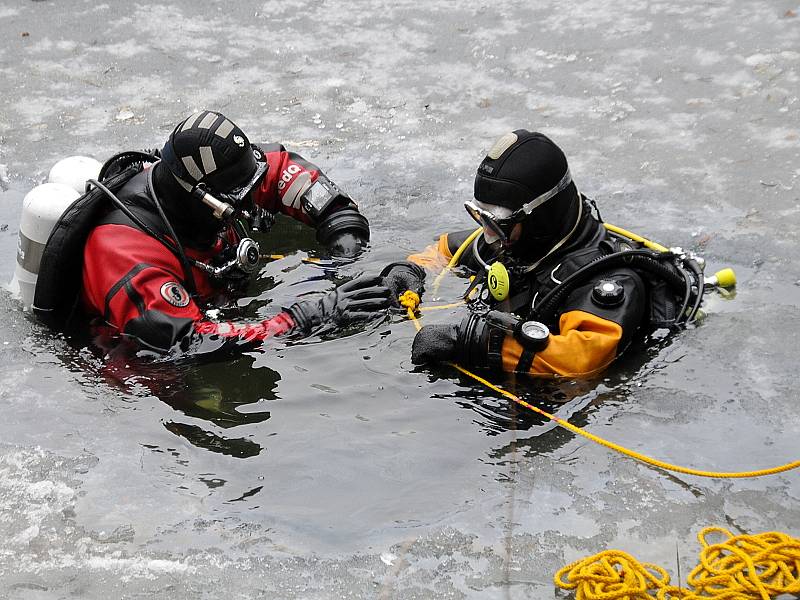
(497,221)
(237,194)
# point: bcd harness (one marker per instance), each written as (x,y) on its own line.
(674,279)
(57,293)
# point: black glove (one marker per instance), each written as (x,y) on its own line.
(434,344)
(356,300)
(472,343)
(402,276)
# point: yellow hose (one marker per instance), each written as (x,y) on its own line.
(727,277)
(456,257)
(742,567)
(636,238)
(411,301)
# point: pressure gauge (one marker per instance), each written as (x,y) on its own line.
(535,335)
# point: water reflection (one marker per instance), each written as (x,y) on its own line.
(226,394)
(572,400)
(202,438)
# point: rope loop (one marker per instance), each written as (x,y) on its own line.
(611,575)
(741,567)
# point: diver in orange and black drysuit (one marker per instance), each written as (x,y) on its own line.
(537,223)
(177,234)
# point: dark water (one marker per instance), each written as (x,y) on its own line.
(334,468)
(340,448)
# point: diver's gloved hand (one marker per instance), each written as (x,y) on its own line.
(346,244)
(402,276)
(466,343)
(357,300)
(434,344)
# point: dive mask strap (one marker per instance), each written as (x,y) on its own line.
(560,243)
(528,207)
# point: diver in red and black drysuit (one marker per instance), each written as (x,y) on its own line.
(177,234)
(542,229)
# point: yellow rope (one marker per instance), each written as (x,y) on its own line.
(442,306)
(742,567)
(608,444)
(308,259)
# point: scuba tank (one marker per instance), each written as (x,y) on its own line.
(74,172)
(42,207)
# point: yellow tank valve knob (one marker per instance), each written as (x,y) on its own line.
(726,278)
(498,281)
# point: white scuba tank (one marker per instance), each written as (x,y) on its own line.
(41,209)
(74,171)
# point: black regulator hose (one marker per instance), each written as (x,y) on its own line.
(699,279)
(187,265)
(128,157)
(645,260)
(687,292)
(129,213)
(177,251)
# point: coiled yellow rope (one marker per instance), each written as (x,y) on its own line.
(411,301)
(742,567)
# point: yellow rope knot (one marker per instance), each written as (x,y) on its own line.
(611,575)
(742,567)
(409,300)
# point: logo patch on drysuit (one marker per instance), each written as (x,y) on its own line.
(239,141)
(174,293)
(293,183)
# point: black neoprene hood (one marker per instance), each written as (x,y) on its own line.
(210,149)
(517,171)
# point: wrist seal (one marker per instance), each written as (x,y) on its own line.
(473,344)
(346,219)
(303,322)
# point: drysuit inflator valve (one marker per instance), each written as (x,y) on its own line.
(247,260)
(248,255)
